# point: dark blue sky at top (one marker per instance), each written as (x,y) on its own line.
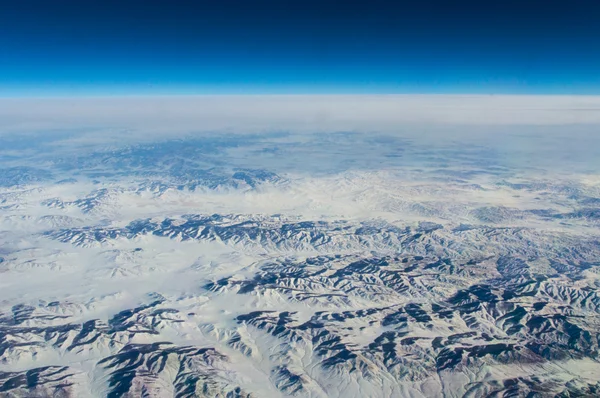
(220,46)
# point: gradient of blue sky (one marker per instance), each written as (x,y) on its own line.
(133,46)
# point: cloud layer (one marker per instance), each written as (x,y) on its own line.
(240,114)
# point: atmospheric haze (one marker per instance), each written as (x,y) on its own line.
(308,246)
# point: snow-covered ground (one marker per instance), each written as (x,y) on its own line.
(455,259)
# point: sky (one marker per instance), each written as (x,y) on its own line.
(91,47)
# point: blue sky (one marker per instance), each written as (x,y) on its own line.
(231,46)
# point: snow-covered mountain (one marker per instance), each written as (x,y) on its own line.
(310,265)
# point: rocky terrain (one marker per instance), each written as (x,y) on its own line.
(131,272)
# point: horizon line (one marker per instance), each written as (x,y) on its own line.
(271,94)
